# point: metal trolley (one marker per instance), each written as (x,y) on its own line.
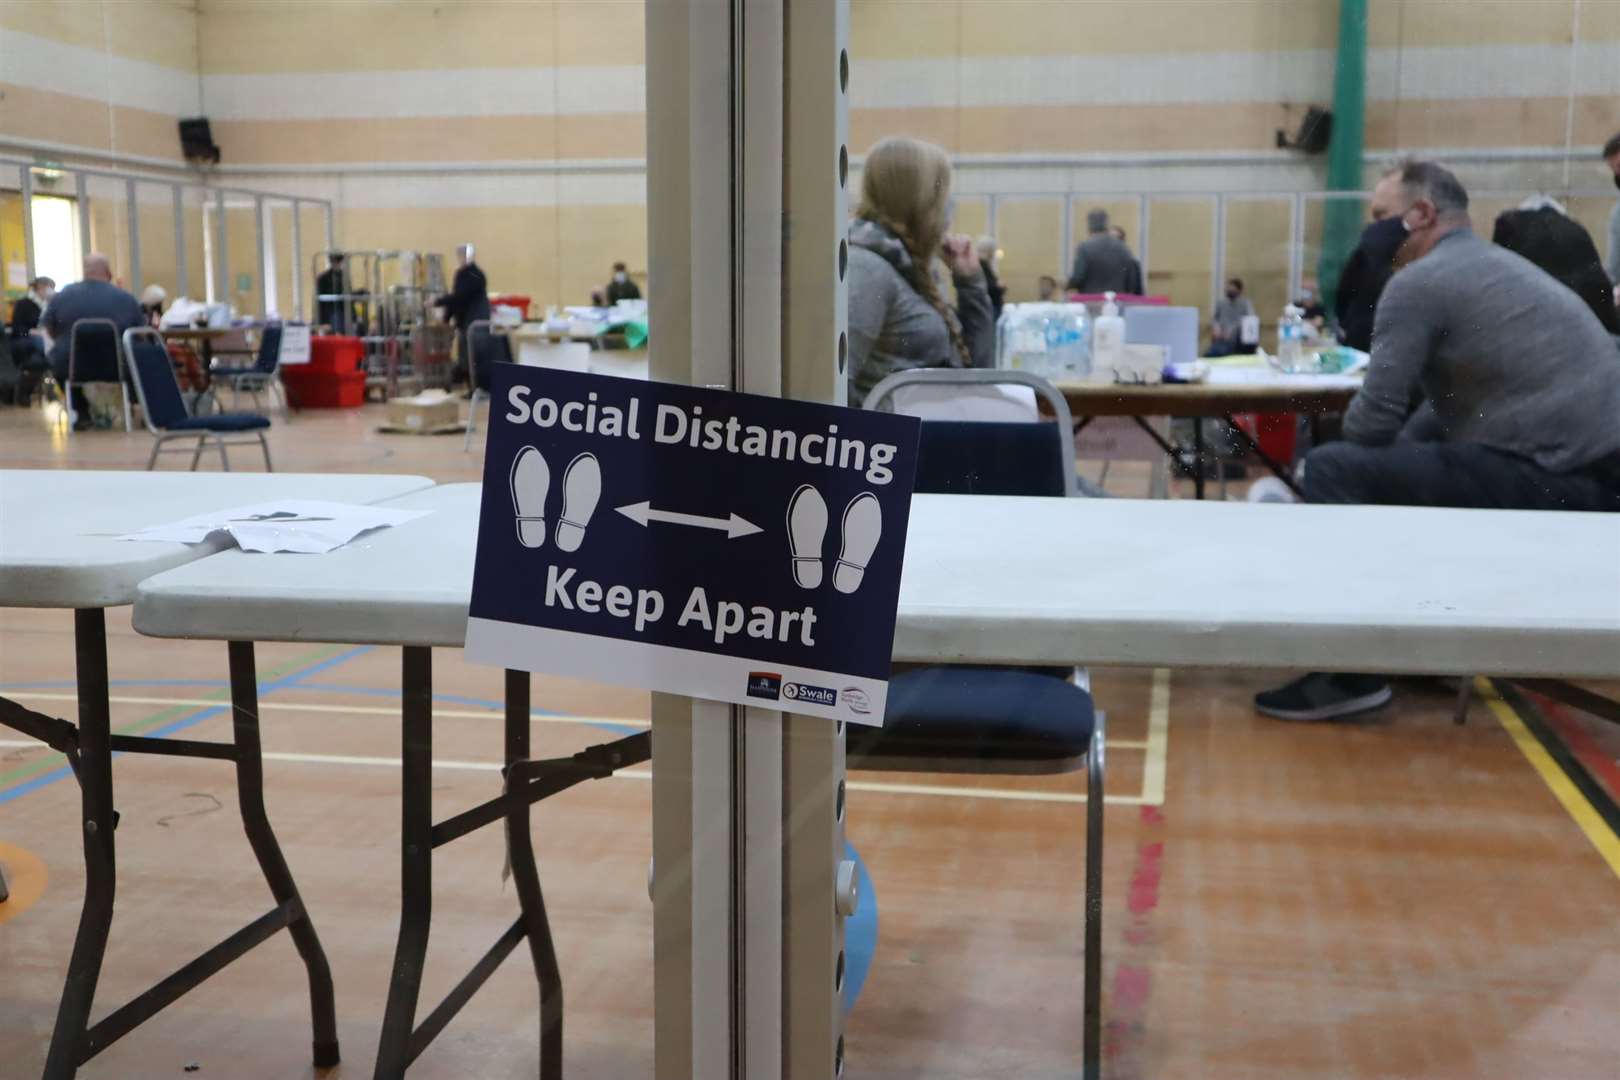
(388,304)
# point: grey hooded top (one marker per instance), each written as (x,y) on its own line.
(892,328)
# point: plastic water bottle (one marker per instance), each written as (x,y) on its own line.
(1108,337)
(1291,339)
(1068,345)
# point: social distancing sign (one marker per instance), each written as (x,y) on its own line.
(700,542)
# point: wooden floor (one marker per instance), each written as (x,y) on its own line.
(1393,898)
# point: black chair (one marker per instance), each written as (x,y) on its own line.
(94,357)
(263,376)
(484,347)
(998,720)
(165,411)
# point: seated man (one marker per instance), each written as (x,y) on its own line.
(96,297)
(1521,392)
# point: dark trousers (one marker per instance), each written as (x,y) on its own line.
(1456,475)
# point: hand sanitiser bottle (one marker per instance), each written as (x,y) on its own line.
(1108,337)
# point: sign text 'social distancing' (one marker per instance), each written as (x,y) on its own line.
(699,542)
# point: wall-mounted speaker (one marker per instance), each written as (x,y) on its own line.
(197,142)
(1315,131)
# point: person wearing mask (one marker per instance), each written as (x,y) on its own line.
(1611,157)
(466,303)
(1226,327)
(95,297)
(332,283)
(1134,284)
(986,247)
(898,318)
(1542,232)
(1101,263)
(1047,288)
(1369,267)
(621,287)
(1520,386)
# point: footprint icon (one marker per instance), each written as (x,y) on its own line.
(863,526)
(530,480)
(807,528)
(582,488)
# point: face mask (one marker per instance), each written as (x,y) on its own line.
(1382,239)
(1231,294)
(621,277)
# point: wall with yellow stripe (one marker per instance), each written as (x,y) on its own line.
(520,126)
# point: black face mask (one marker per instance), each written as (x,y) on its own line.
(1382,239)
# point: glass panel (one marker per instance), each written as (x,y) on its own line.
(1030,233)
(246,276)
(154,209)
(1257,240)
(972,216)
(197,214)
(109,227)
(279,252)
(1181,246)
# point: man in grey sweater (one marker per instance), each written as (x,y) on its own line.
(1520,392)
(1102,262)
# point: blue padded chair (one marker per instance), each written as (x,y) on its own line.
(485,348)
(93,357)
(998,720)
(165,411)
(263,376)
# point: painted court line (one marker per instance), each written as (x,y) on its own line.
(1158,740)
(463,714)
(1564,790)
(454,765)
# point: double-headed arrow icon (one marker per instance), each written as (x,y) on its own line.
(642,512)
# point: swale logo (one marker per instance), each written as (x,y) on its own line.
(765,684)
(814,695)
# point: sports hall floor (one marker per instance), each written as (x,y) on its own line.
(1398,897)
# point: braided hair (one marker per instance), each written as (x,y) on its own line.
(906,188)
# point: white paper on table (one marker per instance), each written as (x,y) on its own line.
(303,526)
(1221,375)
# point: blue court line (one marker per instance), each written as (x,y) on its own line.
(195,718)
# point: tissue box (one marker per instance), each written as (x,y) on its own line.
(426,412)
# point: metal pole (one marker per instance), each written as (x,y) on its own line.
(182,272)
(1217,267)
(1142,221)
(297,259)
(81,193)
(28,220)
(136,279)
(265,266)
(222,260)
(1296,245)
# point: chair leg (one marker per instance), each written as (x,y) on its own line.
(68,418)
(224,458)
(1465,695)
(472,421)
(151,462)
(265,446)
(123,392)
(1094,901)
(202,441)
(5,893)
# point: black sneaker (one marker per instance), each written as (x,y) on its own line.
(1321,696)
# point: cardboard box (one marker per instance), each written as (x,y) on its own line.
(429,411)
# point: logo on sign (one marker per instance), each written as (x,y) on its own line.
(765,684)
(812,695)
(856,699)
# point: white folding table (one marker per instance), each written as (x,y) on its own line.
(58,549)
(987,580)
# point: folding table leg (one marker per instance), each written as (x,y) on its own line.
(520,848)
(100,871)
(256,823)
(1095,763)
(416,863)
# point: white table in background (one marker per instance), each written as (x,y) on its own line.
(58,549)
(987,580)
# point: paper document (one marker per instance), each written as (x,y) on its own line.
(304,526)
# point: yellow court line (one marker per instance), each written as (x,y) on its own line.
(1158,740)
(1574,803)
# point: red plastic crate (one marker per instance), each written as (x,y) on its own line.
(517,300)
(325,390)
(333,353)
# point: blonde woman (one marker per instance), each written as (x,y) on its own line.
(898,317)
